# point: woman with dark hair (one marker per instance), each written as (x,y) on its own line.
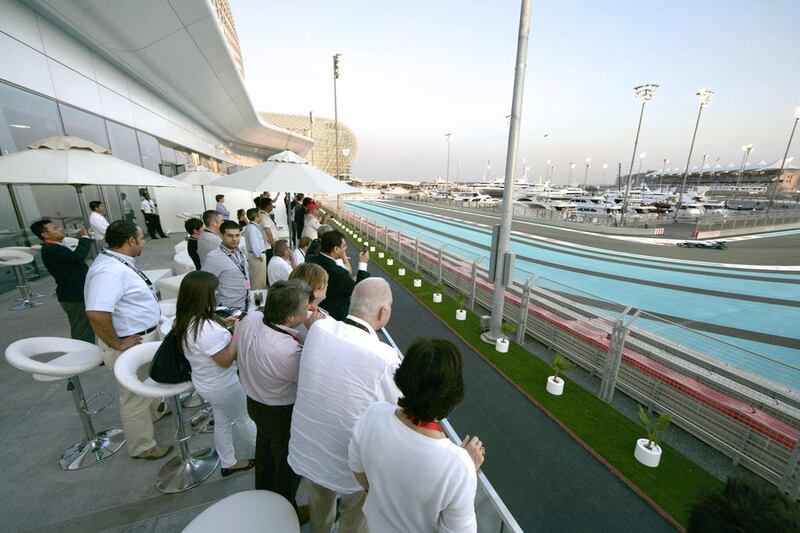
(211,352)
(402,454)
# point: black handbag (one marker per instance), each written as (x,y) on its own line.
(169,364)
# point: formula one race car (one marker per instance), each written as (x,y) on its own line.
(713,245)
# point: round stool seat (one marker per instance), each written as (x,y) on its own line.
(129,363)
(11,258)
(165,326)
(249,511)
(78,357)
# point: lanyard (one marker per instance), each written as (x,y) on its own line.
(279,330)
(132,267)
(424,424)
(356,324)
(232,256)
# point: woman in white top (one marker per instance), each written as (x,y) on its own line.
(437,493)
(312,222)
(211,352)
(316,278)
(299,253)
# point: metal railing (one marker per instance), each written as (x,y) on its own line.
(491,513)
(705,383)
(747,221)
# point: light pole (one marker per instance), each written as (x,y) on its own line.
(663,170)
(504,233)
(705,97)
(702,168)
(336,71)
(547,171)
(645,93)
(605,166)
(747,148)
(586,172)
(448,135)
(571,168)
(639,178)
(783,161)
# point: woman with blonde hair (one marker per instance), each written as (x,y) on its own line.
(317,279)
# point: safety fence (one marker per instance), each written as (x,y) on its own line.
(740,223)
(714,390)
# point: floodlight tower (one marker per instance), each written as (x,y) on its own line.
(747,148)
(586,172)
(783,161)
(645,93)
(705,97)
(336,71)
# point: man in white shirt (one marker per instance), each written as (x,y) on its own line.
(209,239)
(229,264)
(344,368)
(266,206)
(123,311)
(151,218)
(282,262)
(97,222)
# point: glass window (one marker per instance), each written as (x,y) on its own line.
(195,159)
(205,161)
(84,125)
(148,148)
(181,155)
(214,165)
(123,142)
(167,153)
(25,118)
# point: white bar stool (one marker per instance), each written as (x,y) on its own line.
(168,308)
(79,357)
(16,259)
(188,469)
(250,511)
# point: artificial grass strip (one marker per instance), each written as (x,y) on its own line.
(673,486)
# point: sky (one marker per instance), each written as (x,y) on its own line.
(413,71)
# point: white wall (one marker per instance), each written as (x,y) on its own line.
(39,56)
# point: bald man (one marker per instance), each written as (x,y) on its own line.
(330,401)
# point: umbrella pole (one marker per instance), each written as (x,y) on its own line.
(203,192)
(18,214)
(85,214)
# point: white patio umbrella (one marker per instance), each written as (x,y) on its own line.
(199,176)
(285,172)
(69,160)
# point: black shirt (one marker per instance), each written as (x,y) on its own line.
(191,248)
(68,268)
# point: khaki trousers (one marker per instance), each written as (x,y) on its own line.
(137,413)
(257,271)
(322,510)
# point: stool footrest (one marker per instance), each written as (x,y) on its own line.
(96,396)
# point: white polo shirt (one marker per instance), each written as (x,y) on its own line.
(266,222)
(114,286)
(343,370)
(278,269)
(149,207)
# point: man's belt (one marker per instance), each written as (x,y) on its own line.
(141,333)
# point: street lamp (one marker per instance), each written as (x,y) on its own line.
(663,170)
(645,93)
(783,161)
(448,135)
(605,166)
(547,170)
(705,97)
(702,168)
(336,71)
(571,168)
(586,172)
(747,149)
(639,172)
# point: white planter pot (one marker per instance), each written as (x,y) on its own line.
(390,262)
(461,314)
(555,386)
(371,248)
(418,282)
(401,271)
(360,239)
(437,297)
(501,345)
(647,457)
(380,255)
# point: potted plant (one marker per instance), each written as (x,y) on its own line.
(371,248)
(389,261)
(438,289)
(417,282)
(647,451)
(502,343)
(401,271)
(461,313)
(381,255)
(555,384)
